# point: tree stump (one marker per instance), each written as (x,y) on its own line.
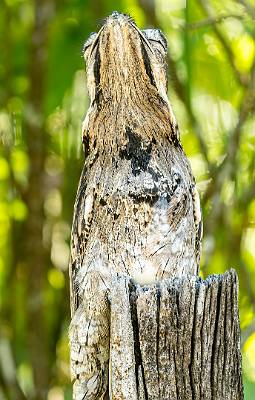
(178,339)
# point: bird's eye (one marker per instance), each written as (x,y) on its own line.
(88,42)
(156,37)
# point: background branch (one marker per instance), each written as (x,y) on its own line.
(211,21)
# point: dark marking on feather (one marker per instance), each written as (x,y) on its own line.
(97,65)
(147,64)
(137,152)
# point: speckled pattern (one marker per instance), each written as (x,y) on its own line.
(137,210)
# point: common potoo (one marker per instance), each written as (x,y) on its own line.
(137,210)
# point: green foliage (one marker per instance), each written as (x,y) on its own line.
(43,99)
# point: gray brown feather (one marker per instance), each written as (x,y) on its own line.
(137,210)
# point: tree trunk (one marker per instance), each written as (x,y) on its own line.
(32,255)
(179,339)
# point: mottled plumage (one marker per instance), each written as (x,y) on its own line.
(137,210)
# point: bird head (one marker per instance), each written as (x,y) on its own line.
(121,58)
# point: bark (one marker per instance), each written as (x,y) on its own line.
(179,339)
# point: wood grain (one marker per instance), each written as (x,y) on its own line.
(188,343)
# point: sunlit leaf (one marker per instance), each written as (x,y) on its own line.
(56,278)
(18,210)
(244,49)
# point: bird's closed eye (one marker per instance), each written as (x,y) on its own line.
(156,36)
(88,42)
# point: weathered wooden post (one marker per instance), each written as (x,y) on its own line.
(178,339)
(144,326)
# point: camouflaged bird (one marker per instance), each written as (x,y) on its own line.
(137,210)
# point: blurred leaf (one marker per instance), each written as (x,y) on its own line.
(56,278)
(18,210)
(4,169)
